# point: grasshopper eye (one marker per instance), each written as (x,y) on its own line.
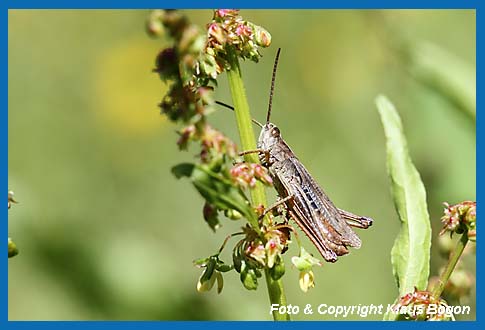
(275,132)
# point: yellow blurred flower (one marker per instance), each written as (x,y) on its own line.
(126,89)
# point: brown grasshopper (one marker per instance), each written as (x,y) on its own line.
(327,226)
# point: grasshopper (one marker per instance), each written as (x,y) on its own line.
(328,227)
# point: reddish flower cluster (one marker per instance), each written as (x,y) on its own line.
(419,304)
(246,174)
(229,29)
(459,218)
(217,143)
(213,142)
(269,253)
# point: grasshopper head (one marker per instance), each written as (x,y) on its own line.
(270,135)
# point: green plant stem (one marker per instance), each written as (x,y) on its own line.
(248,142)
(454,257)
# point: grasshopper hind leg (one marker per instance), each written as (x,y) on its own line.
(354,220)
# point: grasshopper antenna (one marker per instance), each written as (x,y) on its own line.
(272,85)
(232,108)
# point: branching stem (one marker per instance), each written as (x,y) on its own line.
(248,142)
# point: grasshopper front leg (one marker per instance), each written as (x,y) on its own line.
(258,151)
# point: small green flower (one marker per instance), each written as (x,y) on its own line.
(205,284)
(305,261)
(210,275)
(257,251)
(307,280)
(274,247)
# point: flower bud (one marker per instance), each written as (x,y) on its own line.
(205,285)
(257,251)
(237,261)
(210,216)
(186,134)
(261,173)
(174,21)
(206,94)
(208,277)
(249,278)
(167,64)
(233,214)
(278,269)
(216,34)
(154,24)
(12,249)
(262,36)
(220,282)
(243,30)
(192,41)
(221,13)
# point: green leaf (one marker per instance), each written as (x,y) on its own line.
(411,251)
(184,169)
(217,190)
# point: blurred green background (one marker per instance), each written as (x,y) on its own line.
(106,232)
